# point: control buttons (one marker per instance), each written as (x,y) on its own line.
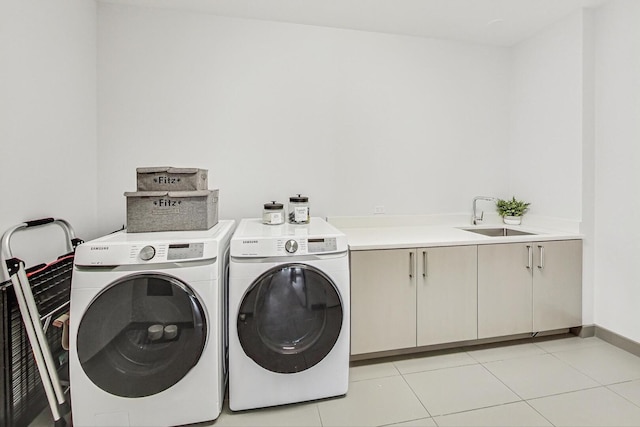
(291,246)
(147,253)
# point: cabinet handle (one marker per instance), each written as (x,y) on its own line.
(530,257)
(411,265)
(541,264)
(424,264)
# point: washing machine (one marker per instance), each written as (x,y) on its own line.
(289,295)
(148,328)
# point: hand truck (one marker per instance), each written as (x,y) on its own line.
(50,301)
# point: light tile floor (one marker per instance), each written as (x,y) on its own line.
(566,381)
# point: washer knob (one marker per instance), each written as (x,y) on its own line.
(291,246)
(147,253)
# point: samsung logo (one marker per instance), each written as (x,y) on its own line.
(249,241)
(99,248)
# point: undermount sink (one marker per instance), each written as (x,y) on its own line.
(498,232)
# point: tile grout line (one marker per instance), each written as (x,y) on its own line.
(540,397)
(566,392)
(618,394)
(441,369)
(374,378)
(553,394)
(578,370)
(586,374)
(484,407)
(407,421)
(527,401)
(413,391)
(501,382)
(466,410)
(538,412)
(320,413)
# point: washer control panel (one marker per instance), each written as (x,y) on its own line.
(167,252)
(292,246)
(253,239)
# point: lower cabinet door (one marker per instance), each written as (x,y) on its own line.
(383,300)
(504,289)
(557,285)
(447,294)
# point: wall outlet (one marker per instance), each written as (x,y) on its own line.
(378,210)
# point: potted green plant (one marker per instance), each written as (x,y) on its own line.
(512,210)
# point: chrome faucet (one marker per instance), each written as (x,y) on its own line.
(475,219)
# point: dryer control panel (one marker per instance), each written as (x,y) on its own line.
(286,246)
(253,239)
(143,253)
(122,248)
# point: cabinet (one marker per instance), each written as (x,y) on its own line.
(504,290)
(447,297)
(529,287)
(401,298)
(557,285)
(383,295)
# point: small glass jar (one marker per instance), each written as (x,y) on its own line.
(299,209)
(273,213)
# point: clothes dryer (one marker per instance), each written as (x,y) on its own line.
(288,313)
(148,326)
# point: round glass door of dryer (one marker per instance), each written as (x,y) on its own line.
(141,335)
(290,318)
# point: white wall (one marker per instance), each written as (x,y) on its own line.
(617,90)
(588,223)
(351,119)
(545,150)
(47,118)
(551,130)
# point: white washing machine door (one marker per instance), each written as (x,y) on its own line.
(290,318)
(141,335)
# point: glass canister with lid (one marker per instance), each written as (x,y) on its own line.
(273,213)
(299,209)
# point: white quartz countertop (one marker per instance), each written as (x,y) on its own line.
(387,235)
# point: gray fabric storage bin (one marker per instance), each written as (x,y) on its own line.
(166,178)
(171,210)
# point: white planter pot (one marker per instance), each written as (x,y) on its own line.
(512,220)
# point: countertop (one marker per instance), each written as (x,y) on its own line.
(411,232)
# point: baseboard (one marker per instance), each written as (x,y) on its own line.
(456,346)
(619,341)
(453,346)
(584,331)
